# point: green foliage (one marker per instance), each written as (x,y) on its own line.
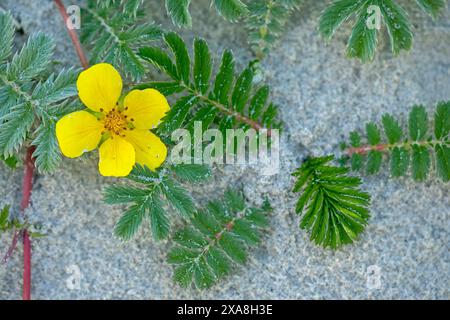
(230,101)
(415,150)
(216,240)
(29,103)
(148,201)
(11,162)
(8,224)
(334,208)
(113,30)
(5,223)
(266,22)
(178,10)
(362,43)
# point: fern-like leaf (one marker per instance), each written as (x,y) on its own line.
(217,240)
(29,102)
(178,10)
(362,43)
(230,101)
(333,207)
(113,36)
(148,202)
(414,150)
(266,22)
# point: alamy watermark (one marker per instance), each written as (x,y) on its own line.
(374,17)
(373,277)
(74,17)
(232,146)
(73,282)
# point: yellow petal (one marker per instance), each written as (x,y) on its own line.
(117,157)
(145,108)
(78,132)
(150,150)
(99,87)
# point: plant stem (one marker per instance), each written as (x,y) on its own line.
(12,247)
(27,186)
(239,117)
(73,35)
(362,150)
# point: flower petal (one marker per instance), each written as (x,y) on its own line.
(117,157)
(150,150)
(99,87)
(78,132)
(146,108)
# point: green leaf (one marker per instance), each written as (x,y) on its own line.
(56,89)
(178,10)
(243,107)
(392,128)
(363,41)
(231,10)
(398,26)
(373,134)
(4,218)
(113,32)
(224,78)
(192,173)
(178,198)
(355,139)
(216,240)
(432,7)
(47,152)
(117,194)
(418,147)
(242,89)
(11,162)
(181,54)
(373,162)
(420,162)
(443,162)
(159,221)
(6,35)
(160,59)
(34,58)
(334,209)
(337,13)
(418,123)
(129,223)
(442,120)
(258,102)
(356,161)
(14,128)
(399,161)
(266,23)
(166,88)
(202,65)
(175,118)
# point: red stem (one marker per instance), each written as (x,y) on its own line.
(12,247)
(27,185)
(73,35)
(26,295)
(366,149)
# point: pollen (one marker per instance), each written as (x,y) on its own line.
(115,122)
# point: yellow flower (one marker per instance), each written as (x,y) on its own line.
(123,128)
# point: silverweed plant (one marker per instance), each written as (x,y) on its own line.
(116,106)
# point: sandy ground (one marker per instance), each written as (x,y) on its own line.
(323,96)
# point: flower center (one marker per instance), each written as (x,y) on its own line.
(115,121)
